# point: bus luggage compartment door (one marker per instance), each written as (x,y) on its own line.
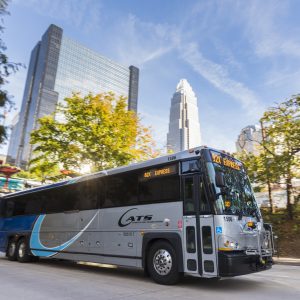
(208,249)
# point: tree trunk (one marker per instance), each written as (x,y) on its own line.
(289,196)
(270,197)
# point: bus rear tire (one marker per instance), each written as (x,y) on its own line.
(23,255)
(11,252)
(162,263)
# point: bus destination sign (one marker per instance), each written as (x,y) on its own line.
(225,161)
(159,172)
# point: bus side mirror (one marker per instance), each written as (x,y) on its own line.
(220,182)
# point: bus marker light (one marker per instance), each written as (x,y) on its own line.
(251,225)
(142,233)
(227,203)
(179,224)
(167,222)
(97,265)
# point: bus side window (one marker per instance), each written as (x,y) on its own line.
(121,190)
(10,205)
(189,205)
(61,199)
(20,205)
(2,214)
(87,192)
(33,204)
(113,194)
(203,201)
(159,190)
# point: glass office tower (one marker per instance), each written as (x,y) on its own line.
(59,66)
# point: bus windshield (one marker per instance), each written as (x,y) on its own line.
(236,197)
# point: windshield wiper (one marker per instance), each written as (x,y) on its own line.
(240,214)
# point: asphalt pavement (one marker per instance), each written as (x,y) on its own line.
(50,279)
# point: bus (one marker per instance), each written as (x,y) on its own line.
(13,185)
(16,185)
(190,213)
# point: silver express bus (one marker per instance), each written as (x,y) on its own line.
(191,213)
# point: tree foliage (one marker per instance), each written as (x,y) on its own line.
(281,128)
(279,156)
(6,69)
(95,130)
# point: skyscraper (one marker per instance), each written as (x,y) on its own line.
(249,139)
(184,127)
(14,133)
(59,66)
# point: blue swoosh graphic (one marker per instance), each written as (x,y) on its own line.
(35,242)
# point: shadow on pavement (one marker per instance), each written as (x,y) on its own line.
(234,284)
(242,283)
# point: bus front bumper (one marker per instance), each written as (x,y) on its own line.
(239,263)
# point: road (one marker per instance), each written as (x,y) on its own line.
(50,279)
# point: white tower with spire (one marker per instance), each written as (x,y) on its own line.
(184,127)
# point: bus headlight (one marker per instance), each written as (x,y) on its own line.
(228,244)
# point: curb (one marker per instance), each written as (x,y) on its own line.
(286,261)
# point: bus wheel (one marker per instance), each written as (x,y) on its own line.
(23,251)
(162,263)
(12,250)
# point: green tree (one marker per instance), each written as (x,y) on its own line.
(279,151)
(95,130)
(281,130)
(261,170)
(43,169)
(6,69)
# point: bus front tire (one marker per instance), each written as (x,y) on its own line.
(162,263)
(12,250)
(23,251)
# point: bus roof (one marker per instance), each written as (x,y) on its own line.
(194,152)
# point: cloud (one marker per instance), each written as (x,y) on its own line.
(269,29)
(218,76)
(283,77)
(140,42)
(80,14)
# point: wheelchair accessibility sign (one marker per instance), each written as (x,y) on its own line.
(219,230)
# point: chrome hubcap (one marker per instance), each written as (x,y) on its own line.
(22,249)
(12,249)
(162,262)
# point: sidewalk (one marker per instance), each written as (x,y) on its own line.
(286,261)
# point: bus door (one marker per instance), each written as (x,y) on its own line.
(198,227)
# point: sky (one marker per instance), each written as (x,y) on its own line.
(240,57)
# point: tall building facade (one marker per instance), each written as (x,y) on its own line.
(249,139)
(13,135)
(59,66)
(184,127)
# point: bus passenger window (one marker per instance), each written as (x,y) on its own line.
(121,190)
(159,190)
(190,239)
(189,205)
(203,201)
(10,205)
(20,206)
(87,194)
(207,240)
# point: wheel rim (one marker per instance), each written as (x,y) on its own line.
(162,262)
(12,249)
(22,249)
